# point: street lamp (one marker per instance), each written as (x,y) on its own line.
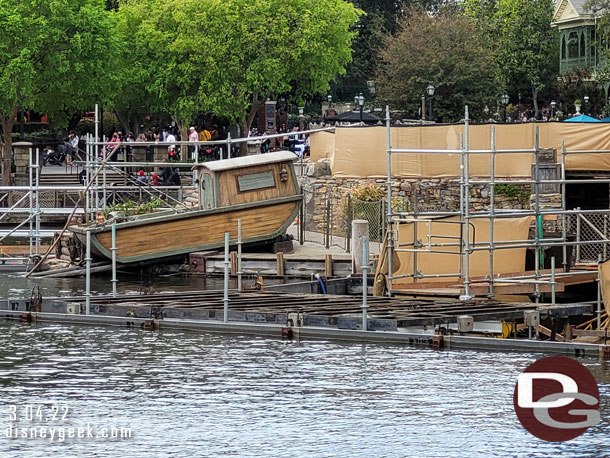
(301,117)
(329,98)
(504,99)
(430,90)
(553,105)
(359,101)
(586,98)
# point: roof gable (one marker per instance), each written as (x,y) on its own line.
(570,10)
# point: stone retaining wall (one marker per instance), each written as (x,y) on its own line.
(432,195)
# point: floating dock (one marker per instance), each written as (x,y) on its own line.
(306,316)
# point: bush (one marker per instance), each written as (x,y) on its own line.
(133,208)
(368,193)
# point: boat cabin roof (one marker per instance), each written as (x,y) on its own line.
(246,161)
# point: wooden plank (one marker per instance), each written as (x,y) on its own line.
(233,258)
(578,279)
(590,333)
(515,288)
(280,264)
(328,265)
(547,332)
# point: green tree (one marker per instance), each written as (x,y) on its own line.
(525,44)
(527,48)
(382,17)
(54,55)
(446,50)
(189,56)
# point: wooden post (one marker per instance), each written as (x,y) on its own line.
(360,228)
(233,256)
(328,265)
(280,264)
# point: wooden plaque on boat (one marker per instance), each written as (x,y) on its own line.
(254,181)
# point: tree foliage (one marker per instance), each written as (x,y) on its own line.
(382,17)
(54,56)
(523,40)
(189,56)
(446,50)
(527,47)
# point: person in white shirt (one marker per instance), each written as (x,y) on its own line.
(171,149)
(193,137)
(73,150)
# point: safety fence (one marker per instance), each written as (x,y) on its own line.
(326,219)
(590,227)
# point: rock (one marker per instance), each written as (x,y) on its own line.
(319,169)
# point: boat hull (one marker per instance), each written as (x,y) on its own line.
(166,236)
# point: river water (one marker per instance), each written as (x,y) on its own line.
(185,394)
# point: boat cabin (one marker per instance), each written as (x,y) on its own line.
(243,180)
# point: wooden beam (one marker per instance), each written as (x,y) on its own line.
(547,332)
(328,265)
(233,256)
(280,264)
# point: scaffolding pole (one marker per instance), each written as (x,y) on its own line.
(492,218)
(37,219)
(389,213)
(564,229)
(30,211)
(466,215)
(538,220)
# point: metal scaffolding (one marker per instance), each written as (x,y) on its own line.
(466,244)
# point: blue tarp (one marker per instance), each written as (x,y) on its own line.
(582,118)
(605,119)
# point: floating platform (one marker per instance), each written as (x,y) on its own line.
(309,316)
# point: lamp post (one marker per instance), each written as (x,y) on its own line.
(504,99)
(330,99)
(359,101)
(301,117)
(430,91)
(586,99)
(553,105)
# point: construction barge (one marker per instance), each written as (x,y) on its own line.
(483,324)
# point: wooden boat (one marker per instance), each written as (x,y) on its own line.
(261,191)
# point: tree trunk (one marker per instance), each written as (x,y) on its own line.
(74,120)
(135,123)
(7,148)
(124,124)
(183,129)
(245,123)
(535,99)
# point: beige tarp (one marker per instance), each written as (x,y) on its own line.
(604,277)
(361,152)
(439,231)
(322,145)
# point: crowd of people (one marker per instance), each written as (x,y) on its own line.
(169,177)
(294,141)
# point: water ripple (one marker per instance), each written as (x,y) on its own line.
(187,394)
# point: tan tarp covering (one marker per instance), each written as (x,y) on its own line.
(435,263)
(604,277)
(361,152)
(322,145)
